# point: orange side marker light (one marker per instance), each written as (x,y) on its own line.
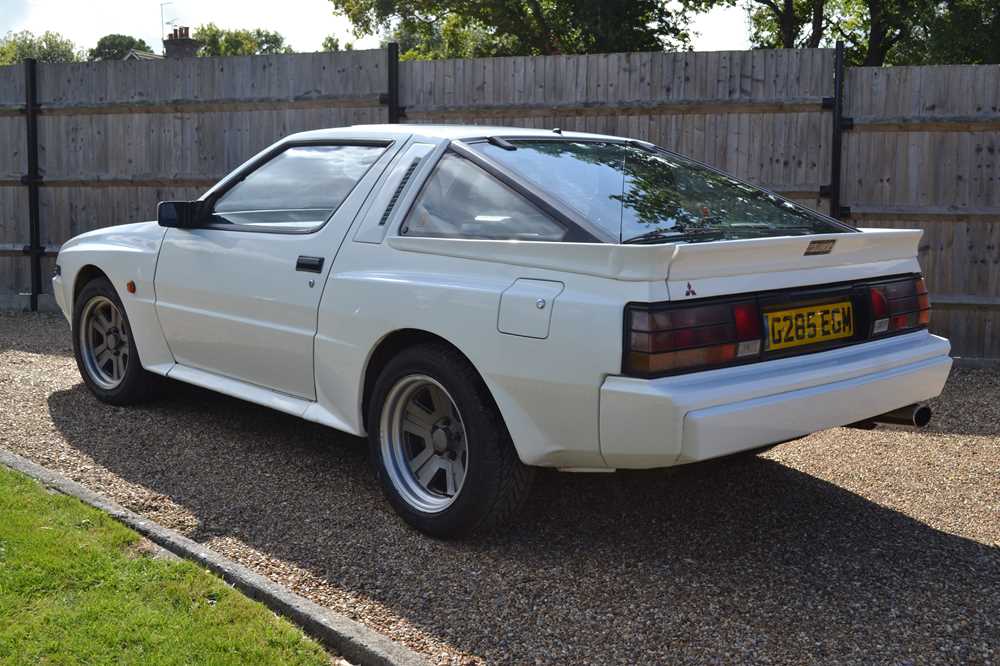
(130,285)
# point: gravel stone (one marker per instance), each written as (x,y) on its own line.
(847,546)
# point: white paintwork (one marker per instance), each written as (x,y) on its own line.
(240,320)
(759,264)
(716,431)
(233,303)
(526,307)
(658,422)
(123,253)
(307,409)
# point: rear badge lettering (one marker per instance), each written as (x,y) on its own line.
(819,247)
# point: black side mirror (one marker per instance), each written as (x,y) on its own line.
(180,214)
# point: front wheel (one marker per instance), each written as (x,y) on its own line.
(440,447)
(105,348)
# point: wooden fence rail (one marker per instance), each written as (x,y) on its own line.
(918,146)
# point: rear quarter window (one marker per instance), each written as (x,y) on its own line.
(460,200)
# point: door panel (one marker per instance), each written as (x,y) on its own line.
(243,303)
(233,303)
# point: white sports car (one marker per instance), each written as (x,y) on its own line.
(481,301)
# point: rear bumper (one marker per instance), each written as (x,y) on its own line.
(676,420)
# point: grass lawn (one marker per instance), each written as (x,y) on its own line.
(75,589)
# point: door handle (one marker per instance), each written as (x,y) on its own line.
(309,264)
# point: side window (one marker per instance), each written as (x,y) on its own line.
(460,200)
(298,189)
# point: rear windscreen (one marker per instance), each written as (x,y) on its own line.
(650,195)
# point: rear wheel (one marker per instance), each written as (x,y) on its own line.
(439,445)
(105,349)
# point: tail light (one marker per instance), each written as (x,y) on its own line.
(899,305)
(662,340)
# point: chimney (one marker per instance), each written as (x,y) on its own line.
(179,44)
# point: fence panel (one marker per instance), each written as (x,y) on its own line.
(117,137)
(757,114)
(923,152)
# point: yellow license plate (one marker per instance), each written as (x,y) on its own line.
(809,325)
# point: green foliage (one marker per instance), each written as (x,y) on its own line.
(953,32)
(74,590)
(456,28)
(452,38)
(219,42)
(877,32)
(47,47)
(116,47)
(782,24)
(332,43)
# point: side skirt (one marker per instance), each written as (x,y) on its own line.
(305,409)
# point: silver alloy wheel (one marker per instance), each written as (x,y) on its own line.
(424,445)
(104,342)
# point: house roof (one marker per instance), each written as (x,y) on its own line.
(135,54)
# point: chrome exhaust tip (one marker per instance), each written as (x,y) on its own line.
(915,415)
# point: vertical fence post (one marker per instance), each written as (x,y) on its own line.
(392,55)
(836,152)
(32,179)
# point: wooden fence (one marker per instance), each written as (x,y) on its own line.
(924,152)
(919,144)
(114,138)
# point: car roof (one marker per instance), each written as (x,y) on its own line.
(452,132)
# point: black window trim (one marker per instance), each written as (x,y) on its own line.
(653,148)
(209,200)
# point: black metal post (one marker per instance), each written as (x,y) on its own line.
(392,55)
(836,151)
(32,179)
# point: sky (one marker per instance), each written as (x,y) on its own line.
(304,23)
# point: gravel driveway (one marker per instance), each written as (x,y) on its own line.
(846,546)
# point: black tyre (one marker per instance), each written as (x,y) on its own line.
(105,349)
(439,445)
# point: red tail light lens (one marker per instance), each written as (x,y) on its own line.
(899,305)
(662,340)
(747,319)
(880,306)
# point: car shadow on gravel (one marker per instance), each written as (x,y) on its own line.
(733,560)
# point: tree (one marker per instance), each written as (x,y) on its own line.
(116,47)
(437,28)
(952,32)
(878,32)
(452,38)
(47,47)
(219,42)
(872,28)
(782,23)
(332,43)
